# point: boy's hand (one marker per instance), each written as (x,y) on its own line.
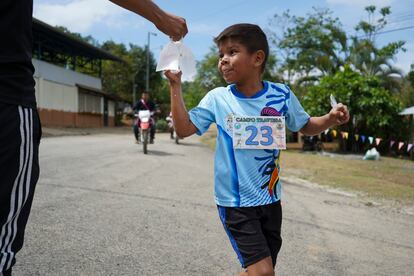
(339,114)
(174,78)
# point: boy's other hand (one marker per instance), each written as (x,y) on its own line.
(339,115)
(173,77)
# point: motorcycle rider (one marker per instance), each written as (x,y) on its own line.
(145,104)
(170,122)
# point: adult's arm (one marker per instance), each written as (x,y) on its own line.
(170,24)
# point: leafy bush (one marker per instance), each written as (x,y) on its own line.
(373,109)
(161,125)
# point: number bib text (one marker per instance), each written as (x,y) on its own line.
(259,132)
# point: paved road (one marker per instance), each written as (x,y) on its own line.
(104,208)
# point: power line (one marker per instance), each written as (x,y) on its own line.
(392,19)
(361,36)
(401,14)
(396,19)
(390,31)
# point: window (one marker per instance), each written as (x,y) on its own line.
(89,103)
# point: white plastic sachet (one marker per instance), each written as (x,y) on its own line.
(175,56)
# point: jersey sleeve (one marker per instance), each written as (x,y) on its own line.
(296,117)
(203,115)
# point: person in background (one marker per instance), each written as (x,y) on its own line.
(170,123)
(145,104)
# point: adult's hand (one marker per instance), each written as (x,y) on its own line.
(171,25)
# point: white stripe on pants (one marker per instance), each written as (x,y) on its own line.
(21,188)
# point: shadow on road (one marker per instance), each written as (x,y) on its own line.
(189,144)
(159,153)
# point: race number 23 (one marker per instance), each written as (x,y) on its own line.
(266,136)
(259,132)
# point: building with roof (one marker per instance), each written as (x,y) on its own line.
(65,97)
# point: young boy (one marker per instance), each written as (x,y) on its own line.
(247,186)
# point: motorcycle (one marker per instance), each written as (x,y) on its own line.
(144,126)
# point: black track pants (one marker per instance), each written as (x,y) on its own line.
(20,133)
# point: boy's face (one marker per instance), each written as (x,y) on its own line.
(236,64)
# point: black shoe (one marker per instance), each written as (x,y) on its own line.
(152,141)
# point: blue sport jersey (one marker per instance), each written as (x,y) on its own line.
(246,177)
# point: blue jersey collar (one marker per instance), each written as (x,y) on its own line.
(241,95)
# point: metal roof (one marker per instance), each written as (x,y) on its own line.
(407,111)
(59,42)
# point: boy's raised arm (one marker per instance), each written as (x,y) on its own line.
(337,116)
(182,124)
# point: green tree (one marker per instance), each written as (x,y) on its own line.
(117,76)
(138,57)
(208,76)
(193,92)
(373,109)
(407,91)
(370,59)
(311,46)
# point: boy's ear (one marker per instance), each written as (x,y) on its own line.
(259,58)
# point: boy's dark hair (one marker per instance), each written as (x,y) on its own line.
(249,35)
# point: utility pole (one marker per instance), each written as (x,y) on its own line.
(148,60)
(134,92)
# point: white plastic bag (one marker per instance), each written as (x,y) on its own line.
(175,56)
(372,154)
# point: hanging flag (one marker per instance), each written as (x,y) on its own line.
(392,143)
(356,137)
(409,147)
(344,134)
(363,138)
(371,139)
(400,145)
(326,131)
(333,133)
(378,141)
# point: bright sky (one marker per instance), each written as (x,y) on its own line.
(205,19)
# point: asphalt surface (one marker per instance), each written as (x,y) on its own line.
(102,207)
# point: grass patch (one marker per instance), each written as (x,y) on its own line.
(388,178)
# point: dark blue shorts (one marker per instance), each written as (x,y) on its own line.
(254,232)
